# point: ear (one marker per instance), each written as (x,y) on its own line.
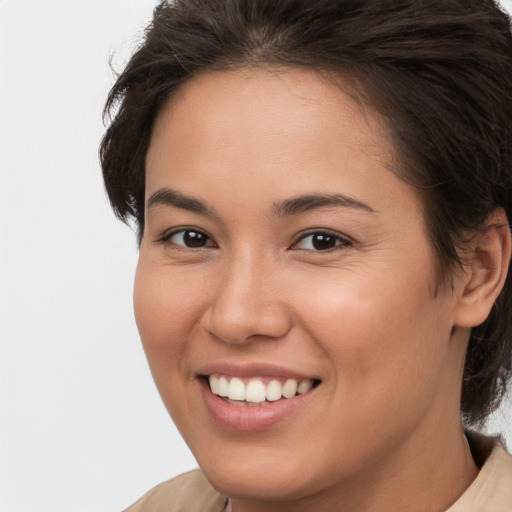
(485,275)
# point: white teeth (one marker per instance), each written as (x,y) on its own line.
(290,388)
(236,389)
(255,391)
(304,385)
(223,387)
(274,391)
(214,384)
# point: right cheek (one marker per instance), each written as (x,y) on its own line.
(166,307)
(170,300)
(152,306)
(158,334)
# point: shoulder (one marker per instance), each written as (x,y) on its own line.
(492,489)
(189,492)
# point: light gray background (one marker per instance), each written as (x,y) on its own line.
(82,428)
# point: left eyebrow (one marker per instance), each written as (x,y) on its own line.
(308,202)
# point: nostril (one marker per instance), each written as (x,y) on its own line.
(242,311)
(249,324)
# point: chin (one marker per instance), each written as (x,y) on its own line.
(259,483)
(264,474)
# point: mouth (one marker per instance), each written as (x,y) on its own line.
(257,391)
(255,397)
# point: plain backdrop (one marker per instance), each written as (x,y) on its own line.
(82,428)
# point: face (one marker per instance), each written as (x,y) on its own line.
(285,266)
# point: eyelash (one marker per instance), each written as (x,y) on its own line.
(167,238)
(324,236)
(340,241)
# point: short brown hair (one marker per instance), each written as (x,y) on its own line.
(439,71)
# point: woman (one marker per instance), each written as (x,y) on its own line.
(321,191)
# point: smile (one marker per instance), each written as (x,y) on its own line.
(257,390)
(252,402)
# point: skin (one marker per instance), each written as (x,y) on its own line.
(382,431)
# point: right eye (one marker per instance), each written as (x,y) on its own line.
(189,238)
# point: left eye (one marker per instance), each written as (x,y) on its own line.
(190,238)
(320,241)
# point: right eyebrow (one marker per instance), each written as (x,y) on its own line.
(175,199)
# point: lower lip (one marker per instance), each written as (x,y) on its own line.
(251,418)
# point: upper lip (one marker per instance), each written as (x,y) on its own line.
(252,370)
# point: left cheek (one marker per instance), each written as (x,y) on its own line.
(371,331)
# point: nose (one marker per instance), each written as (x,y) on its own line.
(248,303)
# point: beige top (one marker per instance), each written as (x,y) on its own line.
(189,492)
(491,491)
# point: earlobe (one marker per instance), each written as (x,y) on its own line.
(486,272)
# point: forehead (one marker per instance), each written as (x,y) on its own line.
(255,106)
(296,128)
